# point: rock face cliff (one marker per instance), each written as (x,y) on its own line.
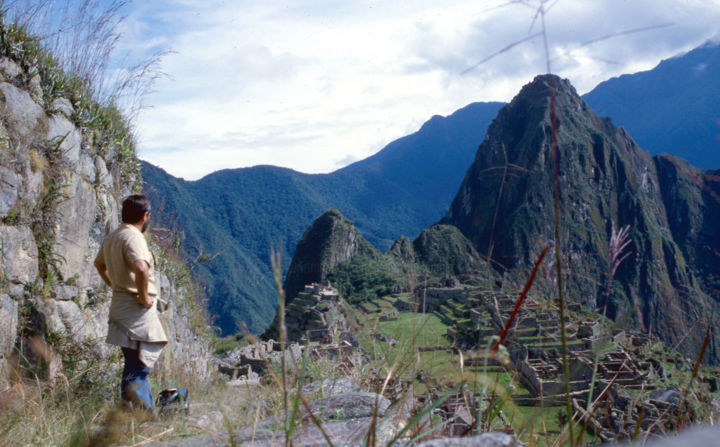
(62,176)
(505,207)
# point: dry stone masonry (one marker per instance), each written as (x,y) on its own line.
(59,196)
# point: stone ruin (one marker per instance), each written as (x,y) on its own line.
(317,314)
(534,344)
(460,410)
(245,364)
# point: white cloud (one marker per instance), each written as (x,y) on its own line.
(311,85)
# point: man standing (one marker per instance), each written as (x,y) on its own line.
(126,264)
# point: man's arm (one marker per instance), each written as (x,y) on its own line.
(142,279)
(102,270)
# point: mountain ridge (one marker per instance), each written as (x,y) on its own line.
(672,108)
(505,209)
(417,201)
(255,210)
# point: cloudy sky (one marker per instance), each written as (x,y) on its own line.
(314,85)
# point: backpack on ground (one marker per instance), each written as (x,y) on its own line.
(172,400)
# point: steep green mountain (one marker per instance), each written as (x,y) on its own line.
(505,207)
(692,199)
(235,217)
(672,108)
(328,242)
(332,248)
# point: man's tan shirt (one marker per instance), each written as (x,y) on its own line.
(119,251)
(131,325)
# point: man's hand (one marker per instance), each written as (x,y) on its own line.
(147,301)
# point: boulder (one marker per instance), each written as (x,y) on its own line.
(65,292)
(19,254)
(63,106)
(692,437)
(24,117)
(64,133)
(33,182)
(35,88)
(8,324)
(9,69)
(351,405)
(72,319)
(16,290)
(49,320)
(340,433)
(77,214)
(483,440)
(95,320)
(669,395)
(9,184)
(252,379)
(328,387)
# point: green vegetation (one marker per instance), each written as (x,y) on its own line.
(44,218)
(402,348)
(365,279)
(433,371)
(223,345)
(519,203)
(108,131)
(438,253)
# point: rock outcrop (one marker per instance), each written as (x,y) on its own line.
(444,250)
(329,241)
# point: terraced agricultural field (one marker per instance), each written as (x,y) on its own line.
(418,348)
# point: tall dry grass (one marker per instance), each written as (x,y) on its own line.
(84,37)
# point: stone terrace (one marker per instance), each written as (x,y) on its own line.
(533,341)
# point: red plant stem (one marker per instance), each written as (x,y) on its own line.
(702,353)
(520,300)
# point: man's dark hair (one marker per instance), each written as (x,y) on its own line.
(134,207)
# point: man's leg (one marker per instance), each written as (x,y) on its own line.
(129,369)
(134,386)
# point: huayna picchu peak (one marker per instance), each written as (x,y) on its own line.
(505,207)
(329,241)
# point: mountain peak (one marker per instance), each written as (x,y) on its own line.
(544,83)
(505,206)
(328,241)
(543,87)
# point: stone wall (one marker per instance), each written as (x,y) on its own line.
(59,196)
